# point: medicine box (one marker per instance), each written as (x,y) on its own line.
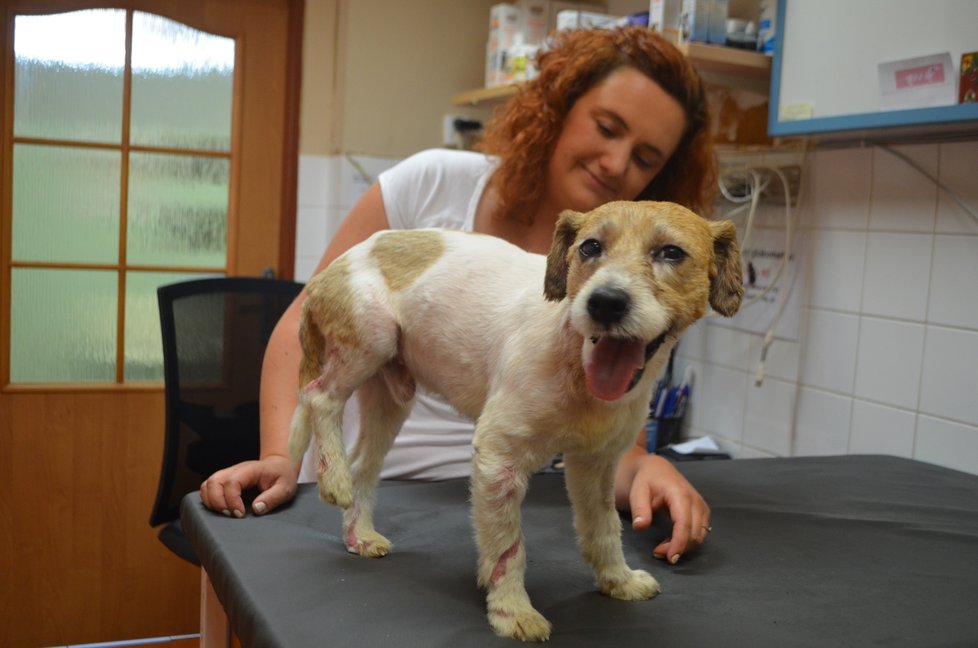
(694,21)
(664,18)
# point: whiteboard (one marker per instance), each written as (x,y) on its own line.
(829,50)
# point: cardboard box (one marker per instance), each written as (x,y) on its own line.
(664,18)
(534,20)
(694,21)
(719,10)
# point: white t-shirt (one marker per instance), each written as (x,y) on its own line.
(435,188)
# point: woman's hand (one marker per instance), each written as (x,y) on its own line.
(274,476)
(647,483)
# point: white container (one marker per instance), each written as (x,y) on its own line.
(574,19)
(505,26)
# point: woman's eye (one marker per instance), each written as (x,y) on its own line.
(670,254)
(605,129)
(590,249)
(643,163)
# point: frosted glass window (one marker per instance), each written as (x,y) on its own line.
(182,86)
(144,346)
(68,75)
(63,325)
(65,204)
(178,210)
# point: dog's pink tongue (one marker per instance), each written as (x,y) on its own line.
(613,364)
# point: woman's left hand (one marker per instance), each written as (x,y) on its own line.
(647,483)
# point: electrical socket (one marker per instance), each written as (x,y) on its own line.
(734,166)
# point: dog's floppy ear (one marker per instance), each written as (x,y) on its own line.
(555,282)
(727,285)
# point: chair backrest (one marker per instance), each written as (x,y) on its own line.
(214,336)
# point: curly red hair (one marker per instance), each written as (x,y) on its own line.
(524,132)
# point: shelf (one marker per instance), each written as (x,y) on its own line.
(707,58)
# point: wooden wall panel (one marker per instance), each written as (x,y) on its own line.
(81,562)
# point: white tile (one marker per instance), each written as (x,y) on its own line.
(897,275)
(954,282)
(880,429)
(958,163)
(829,351)
(839,188)
(769,416)
(949,384)
(888,361)
(304,268)
(691,344)
(903,198)
(822,423)
(947,444)
(837,262)
(726,346)
(314,181)
(310,231)
(783,358)
(718,402)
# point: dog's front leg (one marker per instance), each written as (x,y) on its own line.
(590,485)
(499,481)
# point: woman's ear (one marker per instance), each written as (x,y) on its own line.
(555,281)
(727,283)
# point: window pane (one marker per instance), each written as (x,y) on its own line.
(178,207)
(63,325)
(68,75)
(65,204)
(182,83)
(144,347)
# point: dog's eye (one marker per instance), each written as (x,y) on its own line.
(669,253)
(590,248)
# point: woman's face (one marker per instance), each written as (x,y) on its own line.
(615,139)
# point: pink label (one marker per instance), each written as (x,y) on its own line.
(918,76)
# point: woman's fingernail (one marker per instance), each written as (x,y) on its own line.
(637,521)
(260,507)
(226,513)
(659,556)
(238,514)
(674,559)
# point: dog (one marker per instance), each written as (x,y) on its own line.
(547,354)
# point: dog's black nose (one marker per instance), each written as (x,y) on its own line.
(608,305)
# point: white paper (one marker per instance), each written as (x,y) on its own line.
(703,445)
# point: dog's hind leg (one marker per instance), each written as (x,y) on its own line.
(590,485)
(500,474)
(383,408)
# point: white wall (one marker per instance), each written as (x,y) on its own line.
(888,356)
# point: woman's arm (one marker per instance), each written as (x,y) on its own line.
(274,474)
(646,483)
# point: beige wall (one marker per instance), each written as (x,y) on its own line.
(378,75)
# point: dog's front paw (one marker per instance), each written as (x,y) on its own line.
(523,623)
(638,586)
(368,544)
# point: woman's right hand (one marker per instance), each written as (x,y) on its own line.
(274,476)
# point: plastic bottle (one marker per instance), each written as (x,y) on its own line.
(767,27)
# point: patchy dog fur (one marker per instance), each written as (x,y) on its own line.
(570,370)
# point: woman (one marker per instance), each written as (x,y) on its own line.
(614,115)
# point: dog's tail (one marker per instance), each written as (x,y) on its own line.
(313,344)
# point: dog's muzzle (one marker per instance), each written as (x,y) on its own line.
(616,364)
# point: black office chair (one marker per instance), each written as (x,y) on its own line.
(214,336)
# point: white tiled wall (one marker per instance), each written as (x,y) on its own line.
(887,360)
(328,188)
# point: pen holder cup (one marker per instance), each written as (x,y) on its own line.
(662,431)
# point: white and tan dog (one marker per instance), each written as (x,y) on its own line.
(568,368)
